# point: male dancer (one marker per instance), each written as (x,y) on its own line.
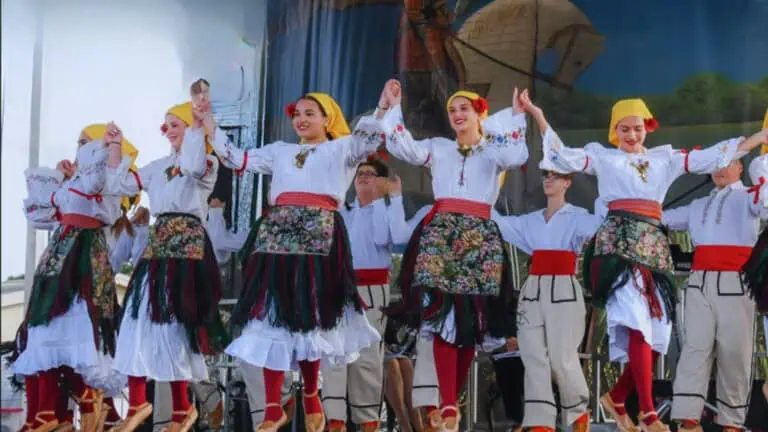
(358,386)
(551,313)
(719,314)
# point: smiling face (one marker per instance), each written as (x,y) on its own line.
(730,174)
(309,121)
(365,180)
(175,130)
(463,116)
(554,184)
(631,133)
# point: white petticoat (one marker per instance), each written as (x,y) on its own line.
(67,340)
(276,348)
(447,332)
(627,309)
(158,351)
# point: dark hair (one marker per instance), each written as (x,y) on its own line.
(196,86)
(382,170)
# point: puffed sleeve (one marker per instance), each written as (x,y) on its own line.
(123,181)
(401,143)
(193,159)
(365,139)
(40,207)
(567,159)
(504,134)
(92,167)
(256,160)
(704,161)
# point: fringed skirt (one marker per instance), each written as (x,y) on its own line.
(73,290)
(171,315)
(628,266)
(299,299)
(756,273)
(456,282)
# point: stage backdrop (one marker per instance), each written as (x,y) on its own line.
(701,66)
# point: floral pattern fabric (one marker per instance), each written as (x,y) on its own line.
(460,254)
(52,262)
(636,240)
(176,236)
(296,230)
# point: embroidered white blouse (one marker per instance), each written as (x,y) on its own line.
(645,176)
(178,183)
(327,168)
(371,231)
(48,194)
(474,178)
(567,230)
(726,217)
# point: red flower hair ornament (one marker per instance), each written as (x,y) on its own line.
(164,129)
(651,124)
(290,110)
(480,105)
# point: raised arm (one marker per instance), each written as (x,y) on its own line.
(504,134)
(367,137)
(40,207)
(565,159)
(677,218)
(399,140)
(92,167)
(704,161)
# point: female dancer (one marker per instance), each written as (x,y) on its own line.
(455,275)
(628,264)
(73,286)
(299,302)
(170,316)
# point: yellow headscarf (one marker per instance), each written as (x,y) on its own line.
(764,149)
(623,109)
(472,96)
(337,124)
(184,113)
(96,132)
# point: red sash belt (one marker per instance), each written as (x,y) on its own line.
(720,258)
(651,209)
(372,277)
(553,262)
(465,207)
(81,221)
(303,199)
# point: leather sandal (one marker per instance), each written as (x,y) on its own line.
(273,426)
(314,422)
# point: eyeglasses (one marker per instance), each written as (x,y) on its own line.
(365,174)
(551,174)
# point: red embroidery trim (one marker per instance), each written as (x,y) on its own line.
(756,189)
(89,197)
(239,172)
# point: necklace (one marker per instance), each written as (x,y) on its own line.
(642,169)
(302,156)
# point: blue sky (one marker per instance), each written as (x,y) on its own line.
(652,46)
